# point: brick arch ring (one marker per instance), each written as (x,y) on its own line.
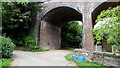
(58,5)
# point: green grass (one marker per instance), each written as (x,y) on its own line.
(30,49)
(85,64)
(88,64)
(5,62)
(69,57)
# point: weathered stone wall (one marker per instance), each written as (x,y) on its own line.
(108,59)
(50,36)
(105,58)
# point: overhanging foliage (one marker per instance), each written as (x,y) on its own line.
(111,30)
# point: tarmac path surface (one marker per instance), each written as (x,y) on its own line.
(48,58)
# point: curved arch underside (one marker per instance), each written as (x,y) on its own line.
(50,36)
(61,15)
(103,6)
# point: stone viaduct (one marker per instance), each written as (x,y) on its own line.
(57,12)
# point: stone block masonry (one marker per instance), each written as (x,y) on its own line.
(105,58)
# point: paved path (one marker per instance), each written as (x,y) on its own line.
(49,58)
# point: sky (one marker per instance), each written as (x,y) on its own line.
(80,22)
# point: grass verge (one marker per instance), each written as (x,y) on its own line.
(85,64)
(88,64)
(69,57)
(30,49)
(5,62)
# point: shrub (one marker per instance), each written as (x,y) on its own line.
(7,47)
(29,41)
(5,62)
(34,48)
(18,41)
(29,45)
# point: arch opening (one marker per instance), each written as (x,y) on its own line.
(60,15)
(51,23)
(71,35)
(104,6)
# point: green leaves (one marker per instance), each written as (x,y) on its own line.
(5,62)
(71,35)
(111,29)
(18,19)
(29,41)
(6,47)
(69,57)
(14,15)
(110,13)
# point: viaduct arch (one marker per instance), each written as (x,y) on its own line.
(56,14)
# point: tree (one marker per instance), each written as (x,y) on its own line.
(18,20)
(111,30)
(71,35)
